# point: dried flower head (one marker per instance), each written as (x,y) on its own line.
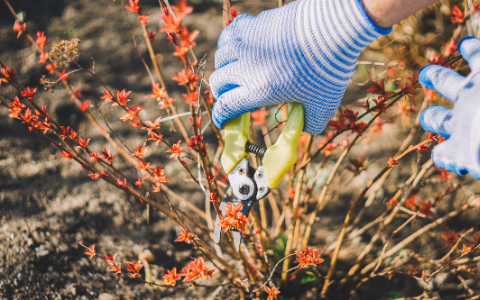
(65,52)
(48,84)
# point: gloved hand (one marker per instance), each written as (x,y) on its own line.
(303,52)
(461,125)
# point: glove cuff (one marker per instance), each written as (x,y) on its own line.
(475,140)
(333,33)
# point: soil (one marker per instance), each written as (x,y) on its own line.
(48,206)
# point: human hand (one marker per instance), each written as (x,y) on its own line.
(303,52)
(461,125)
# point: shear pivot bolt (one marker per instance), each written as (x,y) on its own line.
(244,189)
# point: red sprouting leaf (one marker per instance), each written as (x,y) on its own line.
(186,237)
(171,277)
(142,165)
(176,150)
(106,154)
(365,106)
(43,57)
(158,176)
(425,275)
(209,96)
(62,75)
(187,39)
(180,52)
(16,109)
(191,98)
(182,78)
(94,156)
(111,260)
(449,238)
(392,162)
(476,7)
(466,249)
(116,268)
(140,151)
(95,176)
(450,47)
(64,133)
(158,92)
(151,36)
(233,12)
(413,270)
(138,182)
(156,137)
(131,113)
(133,7)
(121,97)
(122,183)
(76,93)
(172,24)
(73,135)
(30,94)
(41,39)
(359,127)
(379,89)
(393,202)
(404,108)
(437,60)
(144,19)
(153,126)
(430,94)
(411,203)
(27,115)
(181,9)
(9,74)
(308,258)
(350,116)
(51,68)
(444,175)
(67,154)
(424,147)
(380,105)
(457,15)
(195,269)
(19,27)
(107,96)
(426,209)
(134,269)
(234,218)
(272,292)
(84,106)
(90,251)
(82,142)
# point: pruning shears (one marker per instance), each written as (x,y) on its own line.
(248,185)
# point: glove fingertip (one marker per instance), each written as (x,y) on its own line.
(459,46)
(218,117)
(424,76)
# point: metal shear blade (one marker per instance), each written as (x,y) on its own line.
(243,190)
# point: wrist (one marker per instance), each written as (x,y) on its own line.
(386,13)
(333,33)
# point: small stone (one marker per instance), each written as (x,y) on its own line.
(42,253)
(106,296)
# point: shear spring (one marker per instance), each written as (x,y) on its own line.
(255,149)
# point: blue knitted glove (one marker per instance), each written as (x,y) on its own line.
(303,52)
(461,125)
